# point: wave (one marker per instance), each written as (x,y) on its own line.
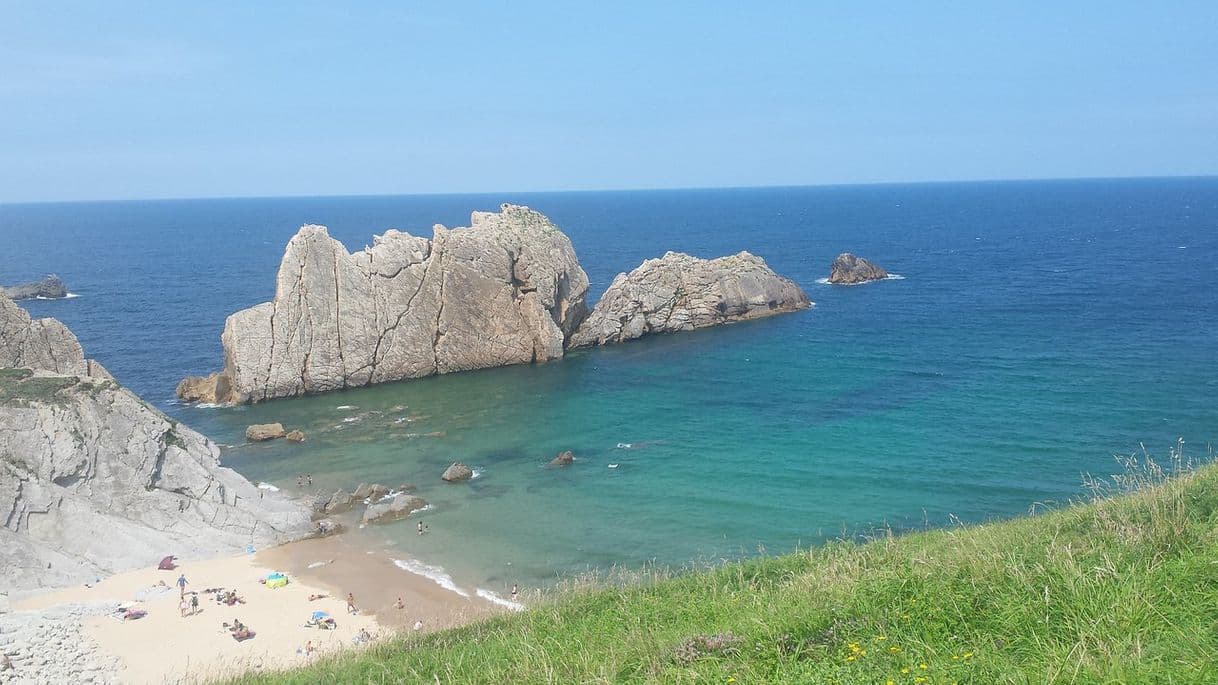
(353,419)
(490,596)
(436,574)
(69,296)
(624,445)
(262,485)
(477,474)
(346,407)
(889,277)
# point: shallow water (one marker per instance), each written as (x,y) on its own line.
(1040,328)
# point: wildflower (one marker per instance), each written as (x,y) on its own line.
(894,649)
(731,679)
(851,658)
(922,666)
(968,655)
(955,657)
(904,670)
(920,679)
(880,638)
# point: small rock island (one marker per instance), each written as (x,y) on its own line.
(49,287)
(848,269)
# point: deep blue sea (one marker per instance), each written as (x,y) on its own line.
(1040,329)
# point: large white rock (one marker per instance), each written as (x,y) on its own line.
(678,292)
(506,290)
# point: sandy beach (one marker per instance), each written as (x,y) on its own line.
(165,647)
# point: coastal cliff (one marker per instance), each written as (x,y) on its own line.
(506,290)
(678,292)
(94,480)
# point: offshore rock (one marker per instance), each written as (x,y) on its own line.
(506,290)
(49,287)
(295,436)
(399,508)
(213,389)
(261,432)
(848,269)
(678,292)
(93,480)
(564,458)
(457,473)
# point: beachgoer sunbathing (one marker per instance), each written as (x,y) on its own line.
(314,598)
(243,634)
(418,625)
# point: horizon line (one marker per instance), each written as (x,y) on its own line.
(574,191)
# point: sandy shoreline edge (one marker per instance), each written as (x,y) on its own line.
(164,647)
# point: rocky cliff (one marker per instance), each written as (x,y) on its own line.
(94,480)
(506,290)
(678,292)
(848,269)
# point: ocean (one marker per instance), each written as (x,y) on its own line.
(1039,329)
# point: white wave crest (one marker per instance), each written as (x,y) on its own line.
(889,277)
(435,573)
(262,485)
(477,474)
(346,407)
(490,596)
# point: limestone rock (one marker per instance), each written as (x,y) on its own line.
(213,389)
(457,473)
(848,269)
(565,458)
(339,502)
(94,481)
(376,491)
(43,344)
(678,292)
(260,432)
(399,508)
(295,436)
(48,287)
(361,491)
(506,290)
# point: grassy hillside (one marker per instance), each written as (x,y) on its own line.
(1122,590)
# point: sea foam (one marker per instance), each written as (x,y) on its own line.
(490,596)
(436,574)
(262,485)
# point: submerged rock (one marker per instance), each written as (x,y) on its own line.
(48,287)
(399,508)
(506,290)
(564,458)
(260,432)
(848,269)
(295,436)
(457,473)
(678,292)
(94,480)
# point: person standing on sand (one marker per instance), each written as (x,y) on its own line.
(515,591)
(399,604)
(183,607)
(351,604)
(182,586)
(194,604)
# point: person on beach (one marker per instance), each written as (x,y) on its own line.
(515,591)
(399,604)
(351,604)
(194,604)
(309,479)
(182,585)
(418,625)
(183,607)
(309,648)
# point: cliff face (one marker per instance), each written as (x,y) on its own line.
(678,292)
(94,480)
(506,290)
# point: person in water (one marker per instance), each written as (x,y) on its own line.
(420,526)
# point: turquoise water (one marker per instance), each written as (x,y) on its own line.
(1040,328)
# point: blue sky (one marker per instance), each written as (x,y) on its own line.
(143,100)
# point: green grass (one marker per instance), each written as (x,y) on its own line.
(1123,589)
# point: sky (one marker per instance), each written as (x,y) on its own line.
(122,100)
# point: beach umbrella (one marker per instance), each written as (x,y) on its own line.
(319,615)
(167,563)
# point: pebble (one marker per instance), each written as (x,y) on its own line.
(30,637)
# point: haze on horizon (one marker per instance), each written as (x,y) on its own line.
(154,100)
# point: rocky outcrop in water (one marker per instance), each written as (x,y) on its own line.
(457,472)
(399,508)
(48,287)
(678,292)
(506,290)
(94,480)
(564,458)
(848,269)
(261,432)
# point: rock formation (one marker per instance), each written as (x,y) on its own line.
(564,458)
(339,502)
(678,292)
(401,507)
(261,432)
(94,480)
(506,290)
(848,269)
(457,473)
(48,287)
(295,436)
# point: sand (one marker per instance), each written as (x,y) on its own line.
(164,647)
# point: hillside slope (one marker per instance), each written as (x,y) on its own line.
(1121,590)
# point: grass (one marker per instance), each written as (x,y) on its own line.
(1120,589)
